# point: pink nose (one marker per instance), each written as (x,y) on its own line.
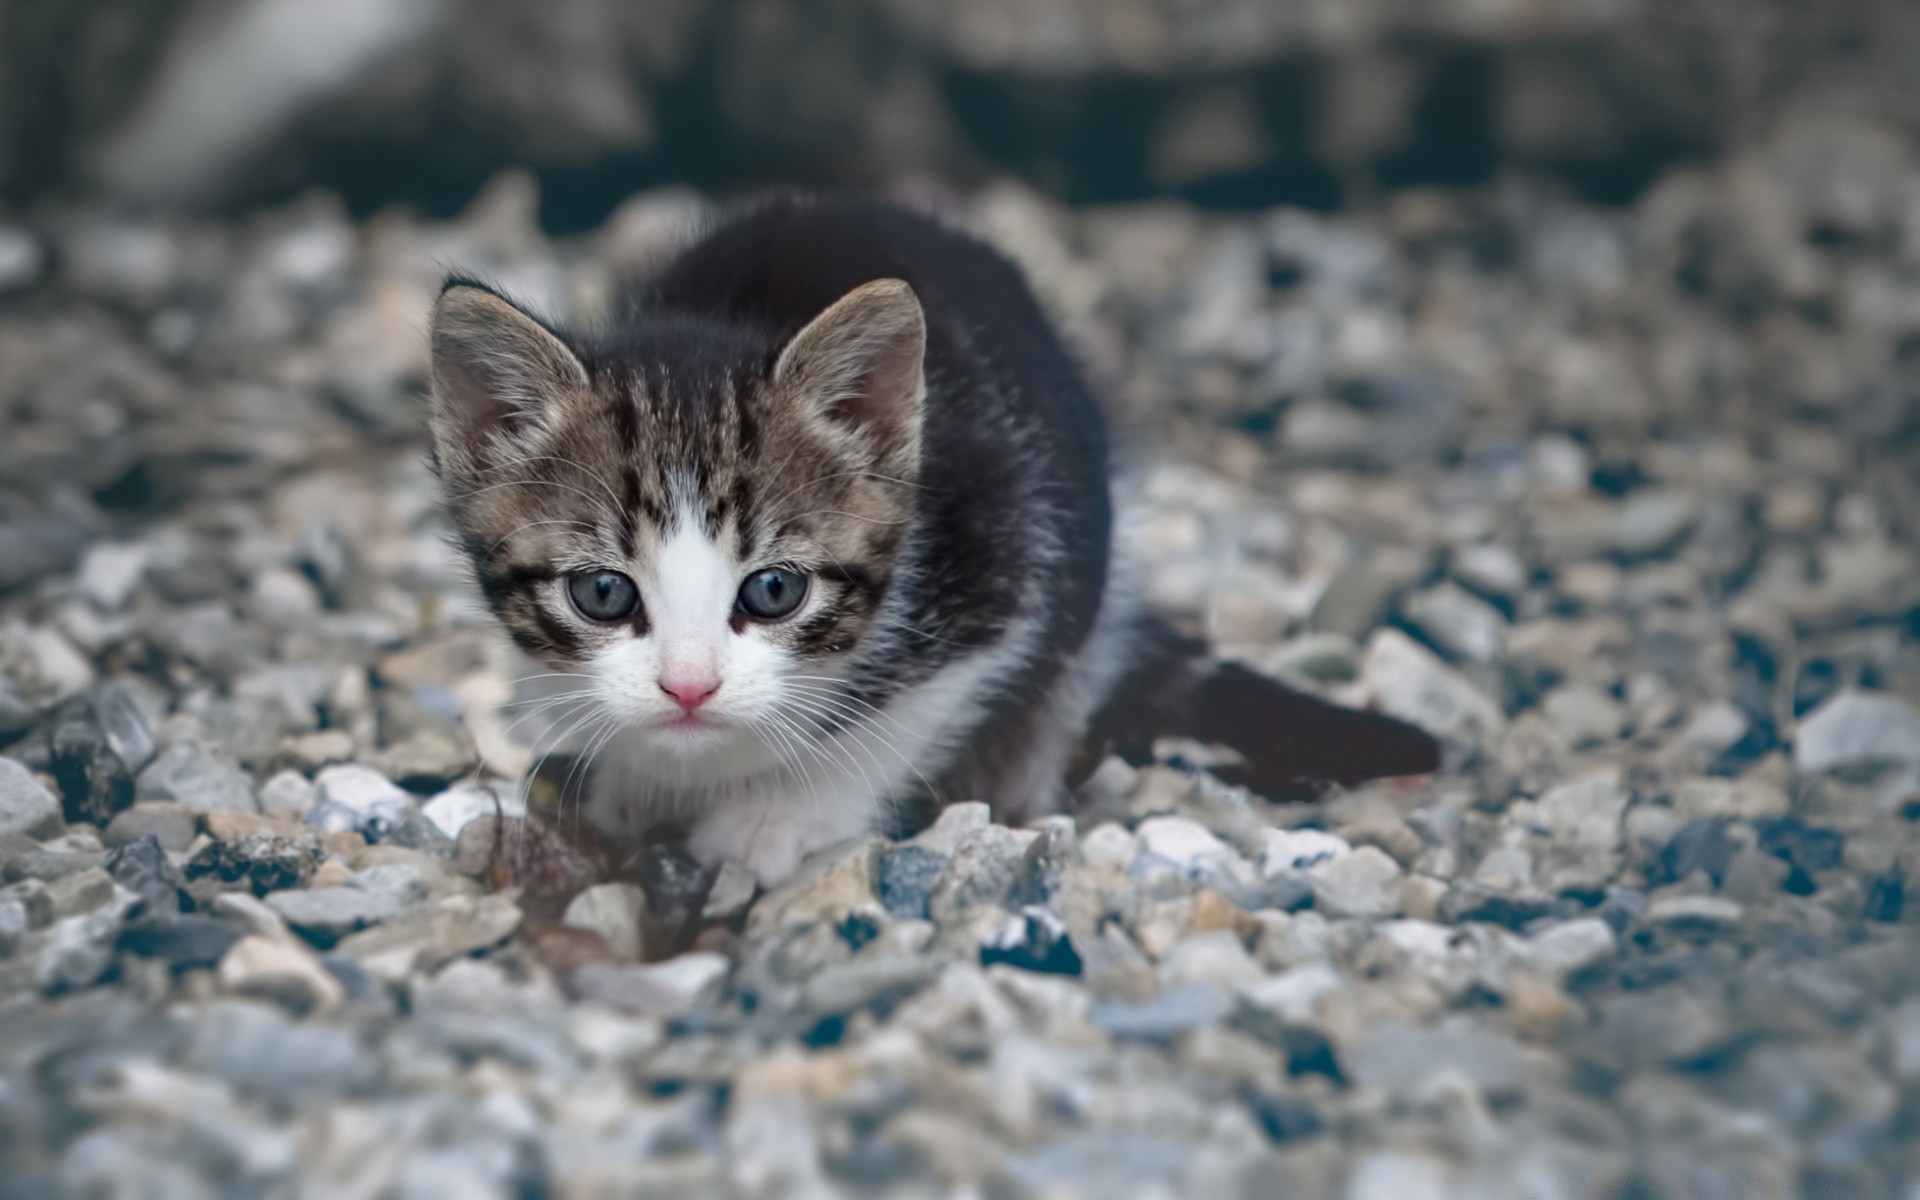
(690,694)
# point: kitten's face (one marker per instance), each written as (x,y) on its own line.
(700,541)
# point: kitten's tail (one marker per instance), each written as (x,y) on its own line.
(1176,688)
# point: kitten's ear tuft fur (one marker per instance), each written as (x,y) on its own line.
(860,366)
(495,369)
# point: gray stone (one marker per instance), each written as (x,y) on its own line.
(1457,621)
(955,824)
(1365,883)
(1653,522)
(615,912)
(287,796)
(366,898)
(452,810)
(867,981)
(126,716)
(1405,1059)
(192,775)
(353,797)
(257,1050)
(1166,1016)
(79,949)
(982,872)
(907,877)
(183,941)
(110,572)
(174,826)
(26,806)
(143,868)
(1855,729)
(1570,946)
(662,989)
(80,892)
(429,935)
(1408,681)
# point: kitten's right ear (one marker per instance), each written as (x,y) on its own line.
(495,370)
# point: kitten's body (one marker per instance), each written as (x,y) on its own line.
(924,454)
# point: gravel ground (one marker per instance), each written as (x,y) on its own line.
(1622,502)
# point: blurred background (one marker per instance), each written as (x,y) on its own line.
(1238,103)
(1545,372)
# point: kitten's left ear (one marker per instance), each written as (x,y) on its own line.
(496,372)
(859,366)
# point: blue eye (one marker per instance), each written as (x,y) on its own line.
(772,593)
(603,595)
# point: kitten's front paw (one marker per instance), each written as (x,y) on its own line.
(771,844)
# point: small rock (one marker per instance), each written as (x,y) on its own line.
(1408,681)
(308,752)
(126,716)
(191,775)
(452,810)
(15,922)
(733,890)
(367,898)
(48,864)
(184,941)
(428,936)
(80,892)
(251,914)
(1166,1016)
(1855,729)
(1299,849)
(616,913)
(1192,850)
(664,989)
(1584,714)
(427,758)
(956,824)
(1217,958)
(415,832)
(1110,846)
(358,798)
(1033,940)
(1490,569)
(676,887)
(981,872)
(1365,883)
(287,796)
(1653,522)
(78,950)
(907,877)
(267,862)
(174,826)
(1457,621)
(1390,1175)
(109,573)
(1292,994)
(1702,912)
(143,868)
(1402,1059)
(282,971)
(1570,947)
(26,806)
(868,982)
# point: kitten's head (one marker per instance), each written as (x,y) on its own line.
(699,521)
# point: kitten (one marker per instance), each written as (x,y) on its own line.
(820,527)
